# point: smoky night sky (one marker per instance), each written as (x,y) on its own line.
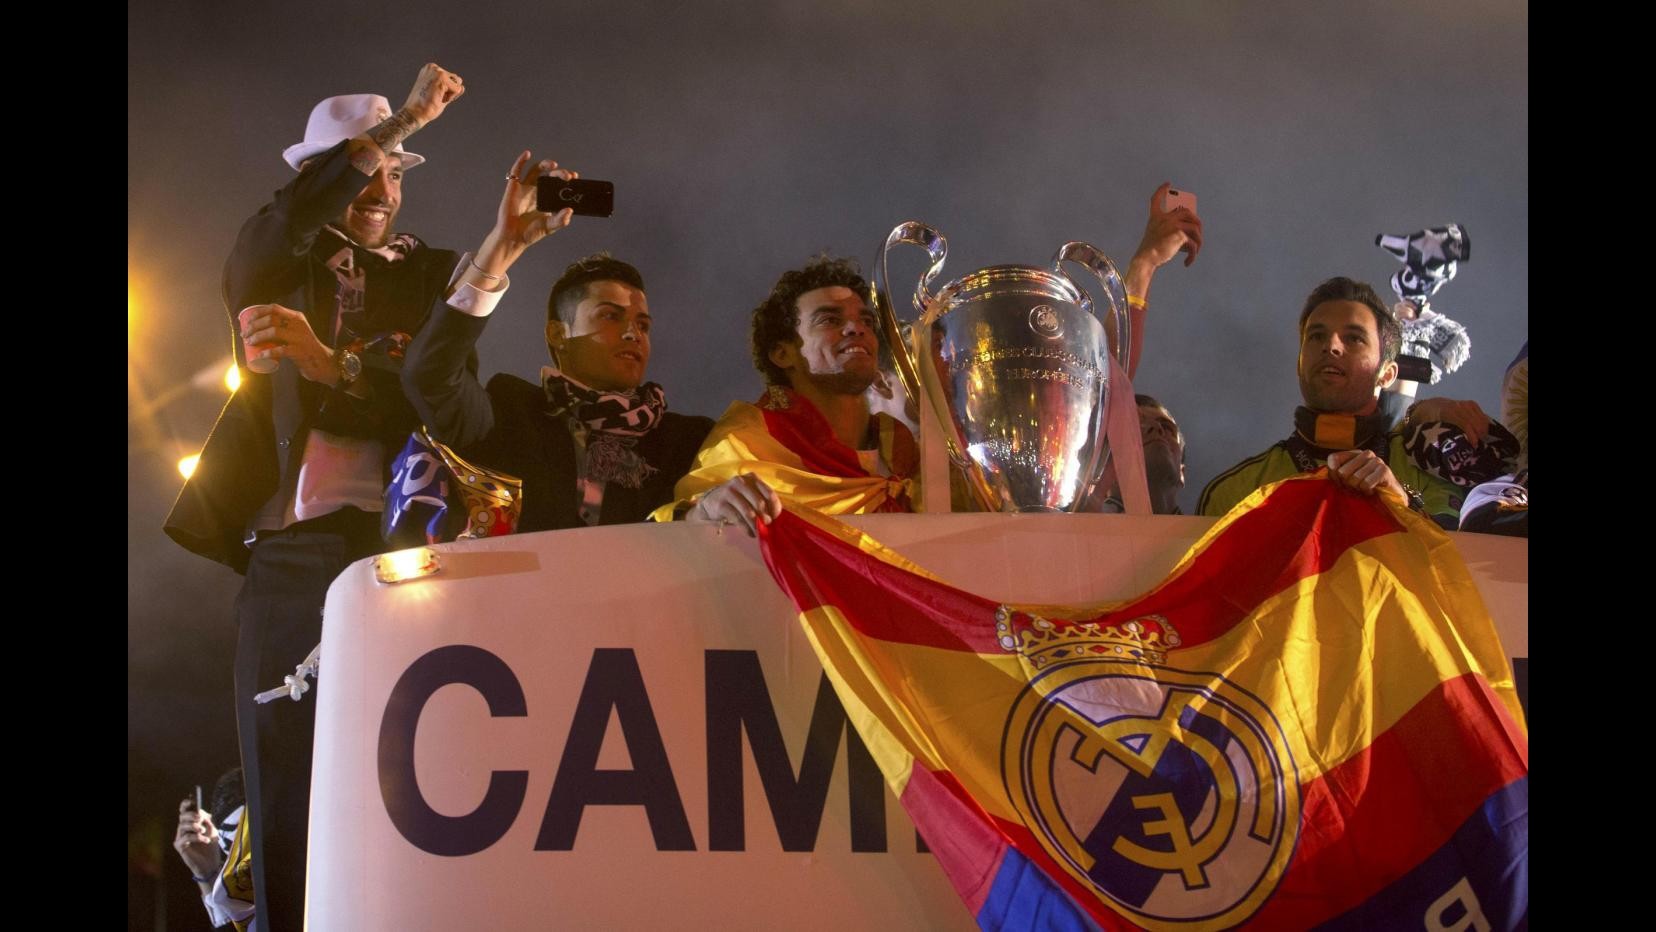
(744,137)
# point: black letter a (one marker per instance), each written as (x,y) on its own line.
(614,682)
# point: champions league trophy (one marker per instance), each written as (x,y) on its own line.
(1015,363)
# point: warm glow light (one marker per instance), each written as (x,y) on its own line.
(232,377)
(187,465)
(403,565)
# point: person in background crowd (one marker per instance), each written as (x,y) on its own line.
(1501,505)
(214,847)
(1164,463)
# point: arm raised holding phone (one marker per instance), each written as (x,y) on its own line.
(1173,228)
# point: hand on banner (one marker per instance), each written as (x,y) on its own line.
(1364,472)
(1466,415)
(197,841)
(744,500)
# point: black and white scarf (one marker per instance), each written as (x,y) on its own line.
(613,423)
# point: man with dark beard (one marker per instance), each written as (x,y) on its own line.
(1349,343)
(325,297)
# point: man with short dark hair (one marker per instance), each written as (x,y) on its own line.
(593,442)
(1164,463)
(1349,343)
(325,296)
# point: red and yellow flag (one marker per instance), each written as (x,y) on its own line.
(785,441)
(1311,721)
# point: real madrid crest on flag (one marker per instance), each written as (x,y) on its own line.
(1170,793)
(1309,722)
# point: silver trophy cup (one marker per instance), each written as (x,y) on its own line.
(1014,362)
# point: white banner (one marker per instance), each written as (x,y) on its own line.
(625,727)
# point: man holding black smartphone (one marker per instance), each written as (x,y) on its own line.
(325,296)
(593,442)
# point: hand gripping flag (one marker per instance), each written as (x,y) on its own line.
(1310,722)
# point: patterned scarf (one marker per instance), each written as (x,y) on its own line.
(1430,258)
(350,262)
(1437,339)
(613,422)
(1442,449)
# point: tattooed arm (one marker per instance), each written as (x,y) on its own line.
(434,89)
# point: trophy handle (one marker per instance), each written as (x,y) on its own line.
(1120,334)
(912,233)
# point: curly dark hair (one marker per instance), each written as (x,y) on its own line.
(1341,288)
(776,320)
(571,286)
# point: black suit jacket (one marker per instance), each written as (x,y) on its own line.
(257,444)
(507,427)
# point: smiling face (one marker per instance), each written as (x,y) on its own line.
(370,217)
(608,345)
(1339,363)
(836,350)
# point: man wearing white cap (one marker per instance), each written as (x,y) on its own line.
(325,296)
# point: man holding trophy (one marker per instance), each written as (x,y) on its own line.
(813,440)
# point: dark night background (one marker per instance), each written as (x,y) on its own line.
(744,137)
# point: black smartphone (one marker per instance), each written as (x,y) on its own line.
(198,797)
(586,197)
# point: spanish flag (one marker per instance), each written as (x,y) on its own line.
(1310,722)
(785,441)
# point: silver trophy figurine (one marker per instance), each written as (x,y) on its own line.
(1014,361)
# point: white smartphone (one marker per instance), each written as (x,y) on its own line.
(1176,198)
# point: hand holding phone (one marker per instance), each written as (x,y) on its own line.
(197,839)
(1168,232)
(586,197)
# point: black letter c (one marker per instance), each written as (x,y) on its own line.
(423,826)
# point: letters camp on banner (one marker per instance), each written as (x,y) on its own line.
(738,705)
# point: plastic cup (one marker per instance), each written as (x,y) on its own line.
(256,363)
